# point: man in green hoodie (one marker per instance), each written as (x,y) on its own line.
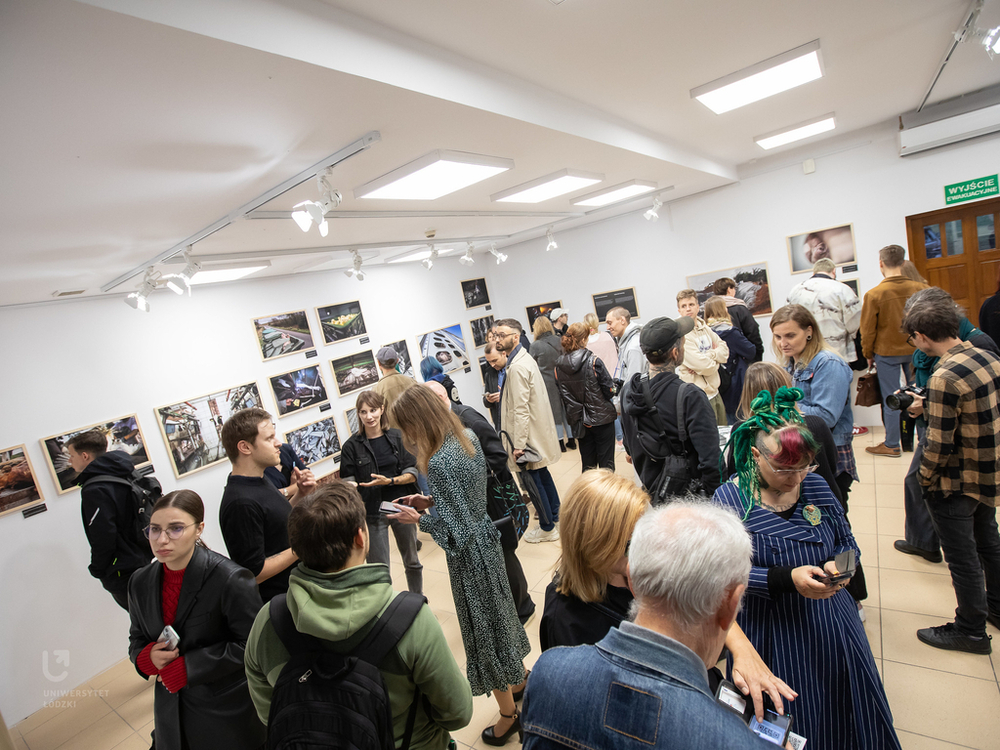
(335,596)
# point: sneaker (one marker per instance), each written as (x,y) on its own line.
(906,548)
(537,534)
(883,450)
(948,637)
(859,430)
(861,612)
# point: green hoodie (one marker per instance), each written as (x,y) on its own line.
(339,607)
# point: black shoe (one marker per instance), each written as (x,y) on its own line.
(993,620)
(518,694)
(906,447)
(490,737)
(562,446)
(571,444)
(906,548)
(948,637)
(420,545)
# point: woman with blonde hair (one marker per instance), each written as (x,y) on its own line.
(601,343)
(547,349)
(495,642)
(741,354)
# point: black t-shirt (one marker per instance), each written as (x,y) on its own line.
(385,459)
(253,517)
(568,621)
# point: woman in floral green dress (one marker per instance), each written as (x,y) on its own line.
(495,642)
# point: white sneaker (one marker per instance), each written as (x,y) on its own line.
(861,612)
(536,535)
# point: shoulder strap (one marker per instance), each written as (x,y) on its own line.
(294,641)
(390,627)
(682,433)
(101,478)
(651,405)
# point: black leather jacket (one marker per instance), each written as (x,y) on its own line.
(357,464)
(585,390)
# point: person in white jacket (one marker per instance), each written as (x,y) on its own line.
(835,306)
(704,351)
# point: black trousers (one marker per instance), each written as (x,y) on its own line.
(857,588)
(597,447)
(518,585)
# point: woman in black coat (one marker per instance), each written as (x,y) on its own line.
(201,699)
(548,348)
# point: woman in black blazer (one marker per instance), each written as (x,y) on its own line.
(201,700)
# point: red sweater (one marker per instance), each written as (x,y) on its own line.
(174,675)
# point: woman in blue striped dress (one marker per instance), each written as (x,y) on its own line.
(806,630)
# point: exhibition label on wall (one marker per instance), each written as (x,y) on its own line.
(971,190)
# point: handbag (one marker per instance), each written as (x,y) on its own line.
(869,393)
(507,510)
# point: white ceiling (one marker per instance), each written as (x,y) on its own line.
(125,134)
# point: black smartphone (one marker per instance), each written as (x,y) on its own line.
(846,563)
(387,508)
(774,728)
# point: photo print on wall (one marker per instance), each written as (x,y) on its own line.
(315,441)
(283,334)
(192,429)
(405,364)
(447,346)
(475,293)
(480,327)
(853,283)
(123,434)
(18,484)
(298,389)
(535,310)
(341,322)
(351,415)
(619,298)
(835,243)
(354,372)
(751,286)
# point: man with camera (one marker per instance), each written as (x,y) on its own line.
(960,467)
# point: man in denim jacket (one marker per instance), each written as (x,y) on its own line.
(646,683)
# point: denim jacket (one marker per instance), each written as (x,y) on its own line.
(635,688)
(826,385)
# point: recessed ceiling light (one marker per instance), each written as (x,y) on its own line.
(551,186)
(616,193)
(767,78)
(228,272)
(796,132)
(434,175)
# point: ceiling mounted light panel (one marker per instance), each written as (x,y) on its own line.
(437,174)
(796,132)
(228,272)
(613,194)
(551,186)
(780,73)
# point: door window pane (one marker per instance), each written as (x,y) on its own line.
(953,237)
(932,240)
(986,230)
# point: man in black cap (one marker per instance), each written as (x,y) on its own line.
(393,382)
(651,434)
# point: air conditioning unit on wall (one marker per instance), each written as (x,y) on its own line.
(953,121)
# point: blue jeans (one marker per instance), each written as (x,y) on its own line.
(619,435)
(548,516)
(406,541)
(889,371)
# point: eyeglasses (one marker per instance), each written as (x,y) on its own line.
(909,340)
(787,472)
(173,532)
(500,335)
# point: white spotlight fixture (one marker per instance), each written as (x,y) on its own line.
(355,271)
(550,186)
(614,194)
(552,240)
(467,259)
(992,41)
(434,175)
(501,257)
(805,129)
(428,262)
(764,79)
(311,212)
(653,213)
(139,299)
(178,283)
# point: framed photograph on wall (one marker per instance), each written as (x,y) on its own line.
(351,415)
(752,286)
(835,243)
(192,429)
(619,298)
(480,327)
(354,372)
(535,310)
(18,483)
(405,365)
(447,346)
(298,390)
(475,292)
(341,322)
(853,283)
(283,334)
(124,434)
(315,441)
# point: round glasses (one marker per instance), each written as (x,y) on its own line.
(788,472)
(173,531)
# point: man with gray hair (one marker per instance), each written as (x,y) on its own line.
(646,682)
(835,306)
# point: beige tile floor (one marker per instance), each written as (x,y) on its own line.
(939,699)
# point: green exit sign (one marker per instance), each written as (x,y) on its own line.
(971,190)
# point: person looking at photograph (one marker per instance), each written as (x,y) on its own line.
(742,319)
(393,382)
(497,360)
(601,343)
(431,369)
(560,321)
(548,349)
(741,353)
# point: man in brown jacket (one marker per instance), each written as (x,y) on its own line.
(392,383)
(884,345)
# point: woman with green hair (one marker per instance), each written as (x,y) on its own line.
(804,627)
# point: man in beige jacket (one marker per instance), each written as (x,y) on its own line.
(393,382)
(526,418)
(704,351)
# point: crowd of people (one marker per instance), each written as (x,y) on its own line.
(715,571)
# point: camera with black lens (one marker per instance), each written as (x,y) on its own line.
(904,398)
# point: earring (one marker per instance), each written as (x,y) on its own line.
(809,337)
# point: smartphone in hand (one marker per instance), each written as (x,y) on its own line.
(170,637)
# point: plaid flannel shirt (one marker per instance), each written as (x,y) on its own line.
(963,422)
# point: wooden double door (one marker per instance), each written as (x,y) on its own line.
(956,249)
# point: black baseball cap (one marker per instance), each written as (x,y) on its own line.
(660,334)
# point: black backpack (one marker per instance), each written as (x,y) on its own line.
(326,699)
(677,475)
(146,490)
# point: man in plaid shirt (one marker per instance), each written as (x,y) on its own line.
(960,469)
